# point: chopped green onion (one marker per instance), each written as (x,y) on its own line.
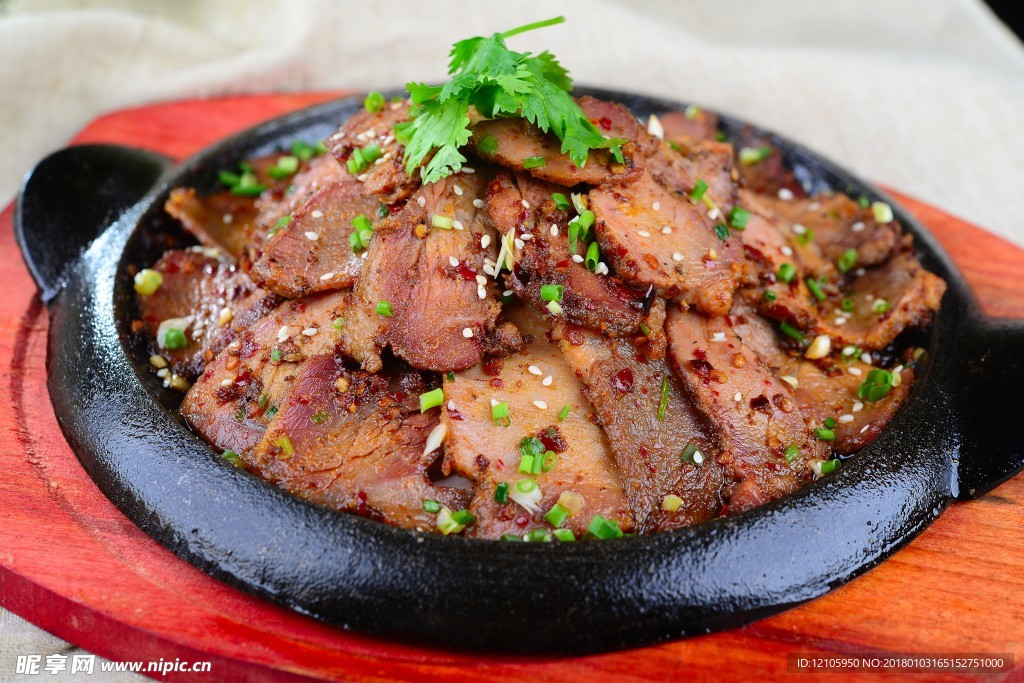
(671,502)
(271,412)
(645,329)
(173,338)
(303,150)
(511,537)
(880,306)
(882,212)
(604,528)
(561,201)
(374,102)
(864,201)
(791,331)
(804,238)
(282,222)
(526,464)
(769,295)
(450,376)
(830,423)
(285,444)
(564,535)
(663,402)
(384,308)
(499,412)
(228,178)
(443,222)
(692,454)
(786,272)
(147,281)
(815,288)
(593,256)
(361,222)
(699,188)
(431,399)
(548,462)
(464,517)
(229,455)
(721,136)
(574,235)
(825,434)
(847,261)
(501,493)
(275,355)
(355,242)
(738,218)
(248,185)
(338,323)
(488,146)
(722,231)
(382,211)
(554,308)
(431,506)
(447,523)
(536,536)
(526,485)
(848,305)
(751,155)
(585,219)
(286,166)
(876,386)
(551,292)
(692,112)
(830,466)
(556,516)
(792,452)
(534,162)
(564,412)
(319,417)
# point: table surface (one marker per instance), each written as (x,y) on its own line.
(71,563)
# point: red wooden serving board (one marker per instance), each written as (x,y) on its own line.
(71,563)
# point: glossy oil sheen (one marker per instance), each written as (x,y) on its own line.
(949,440)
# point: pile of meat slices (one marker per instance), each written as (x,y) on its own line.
(683,330)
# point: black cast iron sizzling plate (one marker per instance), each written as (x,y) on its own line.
(86,212)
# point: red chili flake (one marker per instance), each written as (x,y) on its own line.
(497,383)
(396,207)
(553,440)
(454,414)
(399,397)
(465,271)
(606,123)
(621,250)
(645,453)
(522,520)
(761,404)
(564,263)
(492,366)
(701,367)
(623,381)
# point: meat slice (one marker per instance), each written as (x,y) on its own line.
(384,177)
(354,441)
(479,449)
(692,123)
(205,297)
(222,220)
(598,302)
(320,172)
(312,253)
(233,401)
(515,140)
(653,237)
(625,389)
(443,308)
(765,171)
(680,163)
(755,412)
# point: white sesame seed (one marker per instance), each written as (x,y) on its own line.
(361,177)
(858,406)
(865,358)
(227,218)
(785,194)
(554,230)
(655,128)
(738,397)
(163,372)
(326,276)
(577,258)
(379,161)
(666,230)
(656,206)
(451,404)
(858,226)
(467,169)
(643,233)
(548,380)
(840,320)
(856,372)
(489,269)
(799,229)
(485,241)
(481,280)
(507,292)
(846,418)
(714,213)
(316,213)
(283,334)
(519,243)
(788,251)
(814,206)
(712,254)
(310,331)
(541,405)
(534,370)
(859,272)
(457,190)
(791,381)
(526,204)
(819,348)
(457,225)
(849,350)
(422,201)
(467,332)
(865,428)
(227,382)
(226,314)
(677,257)
(481,291)
(479,203)
(526,237)
(869,297)
(337,136)
(602,269)
(453,262)
(312,236)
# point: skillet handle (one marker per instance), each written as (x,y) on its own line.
(70,197)
(990,402)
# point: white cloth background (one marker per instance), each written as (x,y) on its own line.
(923,95)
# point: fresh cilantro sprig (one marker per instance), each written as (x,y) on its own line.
(498,83)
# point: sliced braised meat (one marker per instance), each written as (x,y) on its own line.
(202,303)
(353,441)
(755,412)
(692,123)
(536,385)
(829,225)
(653,237)
(233,401)
(320,172)
(826,388)
(764,170)
(312,253)
(626,391)
(385,176)
(679,164)
(422,289)
(223,220)
(598,302)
